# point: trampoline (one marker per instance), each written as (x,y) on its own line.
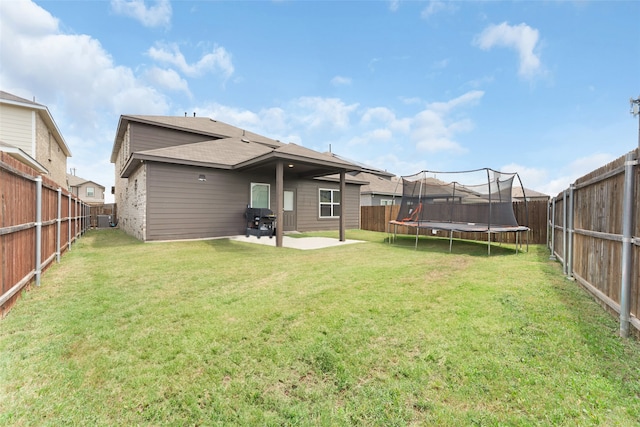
(469,201)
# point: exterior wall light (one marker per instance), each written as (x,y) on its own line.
(202,178)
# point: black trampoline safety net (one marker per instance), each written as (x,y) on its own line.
(477,200)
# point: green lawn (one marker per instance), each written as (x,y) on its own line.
(230,333)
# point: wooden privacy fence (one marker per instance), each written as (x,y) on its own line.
(533,214)
(38,222)
(596,235)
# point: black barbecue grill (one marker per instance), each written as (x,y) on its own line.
(260,222)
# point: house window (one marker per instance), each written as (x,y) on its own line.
(90,192)
(329,203)
(260,195)
(386,202)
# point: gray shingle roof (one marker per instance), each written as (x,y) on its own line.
(222,152)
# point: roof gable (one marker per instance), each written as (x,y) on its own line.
(229,148)
(200,125)
(43,111)
(76,181)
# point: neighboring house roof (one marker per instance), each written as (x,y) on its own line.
(377,184)
(76,181)
(229,148)
(21,156)
(516,193)
(10,99)
(364,167)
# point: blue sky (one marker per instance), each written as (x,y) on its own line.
(540,88)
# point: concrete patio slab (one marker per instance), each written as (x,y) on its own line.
(302,243)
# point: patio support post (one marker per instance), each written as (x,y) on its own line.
(279,202)
(343,197)
(627,239)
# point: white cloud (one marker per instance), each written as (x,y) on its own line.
(218,60)
(318,112)
(340,81)
(377,114)
(77,79)
(394,5)
(468,99)
(158,15)
(167,78)
(522,38)
(436,6)
(431,133)
(32,53)
(433,130)
(554,182)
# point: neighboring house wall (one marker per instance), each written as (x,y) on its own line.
(16,127)
(49,154)
(378,200)
(84,193)
(24,128)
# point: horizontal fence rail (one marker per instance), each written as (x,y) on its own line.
(39,221)
(595,233)
(533,214)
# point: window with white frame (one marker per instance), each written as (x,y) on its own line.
(90,192)
(329,203)
(260,195)
(386,202)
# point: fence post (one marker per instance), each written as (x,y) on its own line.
(564,232)
(69,224)
(627,241)
(553,229)
(59,224)
(38,266)
(570,218)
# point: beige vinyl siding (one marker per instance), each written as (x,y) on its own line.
(17,128)
(147,137)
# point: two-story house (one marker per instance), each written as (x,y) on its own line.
(29,133)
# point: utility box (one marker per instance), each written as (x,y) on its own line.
(104,221)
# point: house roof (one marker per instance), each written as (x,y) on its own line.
(230,148)
(76,181)
(200,125)
(10,99)
(23,157)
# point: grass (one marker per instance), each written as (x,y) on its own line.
(228,333)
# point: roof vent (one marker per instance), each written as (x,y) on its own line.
(245,140)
